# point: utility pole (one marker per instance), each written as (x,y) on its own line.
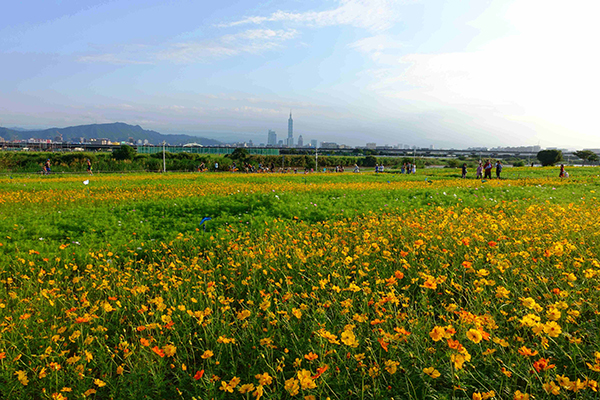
(164,159)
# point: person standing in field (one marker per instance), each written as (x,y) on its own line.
(464,170)
(47,167)
(487,169)
(479,171)
(561,174)
(89,166)
(414,168)
(498,169)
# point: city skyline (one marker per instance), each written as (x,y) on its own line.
(445,73)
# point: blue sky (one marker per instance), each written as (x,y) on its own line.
(453,73)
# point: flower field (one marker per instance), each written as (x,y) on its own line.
(320,286)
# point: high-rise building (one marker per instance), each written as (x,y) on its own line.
(300,141)
(272,138)
(313,143)
(290,138)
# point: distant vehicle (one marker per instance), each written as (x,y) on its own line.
(25,148)
(78,149)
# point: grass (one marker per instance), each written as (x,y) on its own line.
(333,285)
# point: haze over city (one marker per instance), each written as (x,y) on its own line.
(444,73)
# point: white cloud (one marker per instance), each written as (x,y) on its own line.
(543,75)
(374,15)
(253,41)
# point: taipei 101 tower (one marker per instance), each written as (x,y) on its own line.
(290,138)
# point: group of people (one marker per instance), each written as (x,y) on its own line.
(408,168)
(46,170)
(484,171)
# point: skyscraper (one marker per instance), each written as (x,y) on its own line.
(300,141)
(272,138)
(290,138)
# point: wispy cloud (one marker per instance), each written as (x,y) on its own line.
(381,48)
(374,15)
(111,58)
(253,41)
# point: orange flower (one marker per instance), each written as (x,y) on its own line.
(158,351)
(311,356)
(199,375)
(524,351)
(383,344)
(542,365)
(320,371)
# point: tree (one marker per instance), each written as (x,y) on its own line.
(549,157)
(240,154)
(586,155)
(369,161)
(124,153)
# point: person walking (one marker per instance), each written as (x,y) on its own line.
(89,166)
(498,169)
(464,170)
(47,167)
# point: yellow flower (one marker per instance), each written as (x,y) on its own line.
(248,387)
(264,379)
(207,354)
(99,383)
(225,387)
(437,333)
(474,335)
(553,314)
(305,378)
(391,366)
(22,377)
(520,396)
(551,387)
(552,329)
(292,386)
(432,372)
(169,350)
(349,338)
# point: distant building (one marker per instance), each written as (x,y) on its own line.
(372,146)
(280,143)
(272,138)
(329,145)
(300,141)
(313,143)
(290,138)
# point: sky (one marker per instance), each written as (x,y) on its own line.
(447,73)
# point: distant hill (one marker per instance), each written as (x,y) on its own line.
(116,132)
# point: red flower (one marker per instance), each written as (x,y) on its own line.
(199,375)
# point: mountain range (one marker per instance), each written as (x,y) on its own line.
(115,132)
